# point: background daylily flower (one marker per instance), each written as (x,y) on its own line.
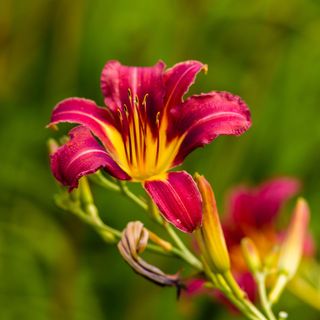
(253,213)
(145,130)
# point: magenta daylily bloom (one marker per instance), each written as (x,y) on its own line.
(253,213)
(257,208)
(145,130)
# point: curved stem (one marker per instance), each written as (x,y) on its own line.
(242,296)
(129,194)
(261,278)
(224,287)
(112,235)
(278,288)
(188,256)
(100,180)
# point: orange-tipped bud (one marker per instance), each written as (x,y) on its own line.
(292,246)
(210,236)
(251,255)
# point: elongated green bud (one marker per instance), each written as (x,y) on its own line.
(251,255)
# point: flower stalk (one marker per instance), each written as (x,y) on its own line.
(146,129)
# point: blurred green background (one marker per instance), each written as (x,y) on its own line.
(267,51)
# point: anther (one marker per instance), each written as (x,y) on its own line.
(119,114)
(158,118)
(144,102)
(129,94)
(136,100)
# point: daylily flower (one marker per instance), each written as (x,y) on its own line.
(253,213)
(146,129)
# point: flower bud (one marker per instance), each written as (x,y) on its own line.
(292,246)
(210,236)
(251,255)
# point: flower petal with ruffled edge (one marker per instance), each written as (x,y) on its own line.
(80,156)
(127,88)
(87,113)
(202,118)
(178,80)
(178,199)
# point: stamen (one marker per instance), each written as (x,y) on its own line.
(144,120)
(158,119)
(125,109)
(158,136)
(123,135)
(144,101)
(135,135)
(120,115)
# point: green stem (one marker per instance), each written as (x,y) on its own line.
(261,278)
(241,295)
(278,288)
(188,256)
(238,292)
(129,194)
(241,307)
(100,180)
(238,303)
(105,231)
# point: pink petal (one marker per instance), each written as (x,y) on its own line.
(144,83)
(247,284)
(194,286)
(85,112)
(80,156)
(260,206)
(204,117)
(178,80)
(309,245)
(178,200)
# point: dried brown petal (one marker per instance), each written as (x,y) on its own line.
(134,240)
